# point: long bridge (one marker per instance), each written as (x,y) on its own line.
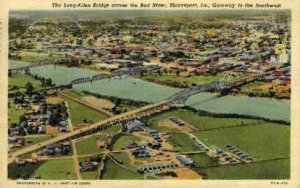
(220,86)
(148,110)
(37,64)
(116,73)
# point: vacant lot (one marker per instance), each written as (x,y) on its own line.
(15,172)
(89,145)
(17,82)
(203,161)
(54,100)
(101,103)
(37,57)
(112,129)
(115,172)
(182,142)
(14,112)
(73,93)
(277,169)
(79,113)
(263,141)
(61,169)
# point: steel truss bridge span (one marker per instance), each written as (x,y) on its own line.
(220,86)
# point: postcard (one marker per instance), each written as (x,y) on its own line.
(150,93)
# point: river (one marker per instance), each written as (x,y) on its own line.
(140,90)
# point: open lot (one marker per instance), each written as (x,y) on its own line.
(17,82)
(37,57)
(277,169)
(203,161)
(89,145)
(112,129)
(182,142)
(79,113)
(60,169)
(101,103)
(263,141)
(14,112)
(114,172)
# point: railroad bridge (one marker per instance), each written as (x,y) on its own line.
(116,73)
(25,68)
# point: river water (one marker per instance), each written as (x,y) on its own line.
(140,90)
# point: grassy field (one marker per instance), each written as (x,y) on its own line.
(114,172)
(277,169)
(201,122)
(37,57)
(15,172)
(30,140)
(253,87)
(182,142)
(79,113)
(112,129)
(203,161)
(17,82)
(119,143)
(13,113)
(88,145)
(89,175)
(74,93)
(61,169)
(263,141)
(123,106)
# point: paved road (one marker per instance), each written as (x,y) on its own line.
(76,162)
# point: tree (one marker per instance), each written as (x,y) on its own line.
(29,88)
(48,82)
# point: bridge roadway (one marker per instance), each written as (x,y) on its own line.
(96,127)
(182,96)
